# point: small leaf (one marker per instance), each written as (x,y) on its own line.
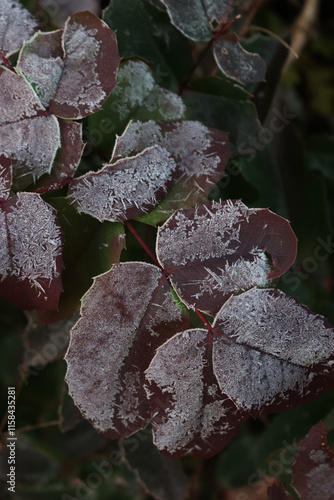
(217,249)
(196,18)
(127,188)
(126,314)
(201,154)
(5,178)
(236,63)
(28,134)
(189,412)
(16,26)
(30,253)
(281,354)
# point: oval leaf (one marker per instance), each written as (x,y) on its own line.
(189,412)
(281,353)
(217,249)
(16,26)
(126,314)
(125,189)
(30,256)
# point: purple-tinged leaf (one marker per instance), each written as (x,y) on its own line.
(313,469)
(189,412)
(126,189)
(196,19)
(90,66)
(277,492)
(28,135)
(127,313)
(200,152)
(16,26)
(270,352)
(5,178)
(217,249)
(30,253)
(60,9)
(41,62)
(236,63)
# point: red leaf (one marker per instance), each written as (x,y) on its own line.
(16,26)
(30,255)
(217,249)
(126,314)
(189,412)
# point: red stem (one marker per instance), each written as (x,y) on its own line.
(56,185)
(207,325)
(7,63)
(143,244)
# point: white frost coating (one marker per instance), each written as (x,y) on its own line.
(16,26)
(5,262)
(210,234)
(320,481)
(35,240)
(254,380)
(187,141)
(112,311)
(166,311)
(129,183)
(279,325)
(4,184)
(80,85)
(137,88)
(177,369)
(236,277)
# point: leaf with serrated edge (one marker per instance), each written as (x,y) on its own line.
(281,355)
(194,18)
(236,63)
(126,314)
(217,249)
(30,253)
(90,66)
(27,134)
(189,412)
(5,178)
(16,26)
(127,188)
(200,152)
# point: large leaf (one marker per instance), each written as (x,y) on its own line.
(128,312)
(200,153)
(127,188)
(197,18)
(217,249)
(16,26)
(270,351)
(73,71)
(28,134)
(189,412)
(30,252)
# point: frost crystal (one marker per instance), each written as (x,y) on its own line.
(126,188)
(16,26)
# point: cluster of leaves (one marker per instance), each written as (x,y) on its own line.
(201,340)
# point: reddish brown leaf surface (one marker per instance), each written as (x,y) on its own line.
(30,253)
(201,154)
(16,26)
(270,352)
(189,412)
(126,315)
(236,63)
(217,249)
(127,188)
(5,178)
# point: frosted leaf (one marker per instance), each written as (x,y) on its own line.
(27,134)
(30,261)
(41,62)
(200,152)
(195,18)
(90,66)
(136,88)
(125,189)
(236,63)
(16,26)
(276,324)
(189,413)
(217,249)
(5,178)
(114,342)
